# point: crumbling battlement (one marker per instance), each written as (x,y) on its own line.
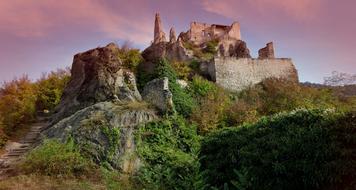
(266,52)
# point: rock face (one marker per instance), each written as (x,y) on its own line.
(266,52)
(158,94)
(97,75)
(104,132)
(159,35)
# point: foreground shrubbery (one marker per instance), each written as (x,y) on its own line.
(56,165)
(304,149)
(168,149)
(53,158)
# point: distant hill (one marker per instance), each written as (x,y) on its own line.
(341,90)
(340,79)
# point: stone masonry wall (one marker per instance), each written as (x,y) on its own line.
(237,74)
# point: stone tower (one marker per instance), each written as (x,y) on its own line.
(159,35)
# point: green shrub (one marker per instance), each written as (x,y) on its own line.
(200,87)
(143,77)
(168,149)
(182,69)
(211,47)
(53,158)
(183,102)
(131,58)
(50,89)
(304,149)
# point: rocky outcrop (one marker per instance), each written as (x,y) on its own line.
(157,93)
(105,132)
(159,35)
(266,52)
(172,51)
(97,75)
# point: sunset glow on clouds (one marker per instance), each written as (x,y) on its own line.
(33,18)
(38,36)
(301,10)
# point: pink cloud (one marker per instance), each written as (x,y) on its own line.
(33,18)
(300,10)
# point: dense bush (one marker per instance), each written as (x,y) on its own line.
(182,69)
(304,149)
(131,58)
(212,104)
(183,102)
(56,159)
(200,87)
(17,103)
(50,89)
(169,149)
(274,95)
(211,47)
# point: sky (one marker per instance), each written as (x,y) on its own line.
(38,36)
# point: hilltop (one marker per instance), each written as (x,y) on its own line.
(192,112)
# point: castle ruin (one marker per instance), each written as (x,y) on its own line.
(232,66)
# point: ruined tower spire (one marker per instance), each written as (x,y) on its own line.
(172,36)
(159,35)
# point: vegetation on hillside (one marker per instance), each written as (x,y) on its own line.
(303,149)
(274,135)
(169,151)
(21,99)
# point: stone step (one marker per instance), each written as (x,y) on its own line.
(18,151)
(31,138)
(24,145)
(36,129)
(10,155)
(25,148)
(28,141)
(31,135)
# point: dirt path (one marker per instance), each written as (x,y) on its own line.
(16,150)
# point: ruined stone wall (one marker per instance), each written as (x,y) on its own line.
(202,32)
(237,74)
(196,32)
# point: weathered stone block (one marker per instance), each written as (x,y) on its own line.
(157,93)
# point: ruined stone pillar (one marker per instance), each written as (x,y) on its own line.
(172,36)
(159,35)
